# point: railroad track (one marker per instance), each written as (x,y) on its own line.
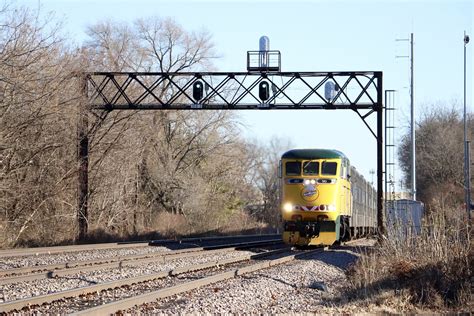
(162,258)
(100,294)
(41,299)
(64,249)
(11,276)
(25,261)
(124,304)
(120,245)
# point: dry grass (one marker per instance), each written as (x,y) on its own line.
(172,226)
(242,222)
(163,225)
(432,270)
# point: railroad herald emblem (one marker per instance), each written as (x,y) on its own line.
(309,192)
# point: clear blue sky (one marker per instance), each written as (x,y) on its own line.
(317,36)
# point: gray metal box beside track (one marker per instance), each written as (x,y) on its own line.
(404,216)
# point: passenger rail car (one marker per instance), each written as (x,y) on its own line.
(323,198)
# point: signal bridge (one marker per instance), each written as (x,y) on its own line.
(264,86)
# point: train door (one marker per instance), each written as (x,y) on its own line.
(345,200)
(280,183)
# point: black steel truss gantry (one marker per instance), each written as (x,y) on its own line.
(360,91)
(227,90)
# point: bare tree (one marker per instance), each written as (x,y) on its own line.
(169,48)
(439,153)
(265,178)
(171,150)
(35,168)
(188,164)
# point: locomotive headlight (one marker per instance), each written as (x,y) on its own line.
(313,181)
(287,207)
(306,182)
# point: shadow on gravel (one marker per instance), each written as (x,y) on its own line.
(90,282)
(261,276)
(174,245)
(356,249)
(210,243)
(351,295)
(338,258)
(341,257)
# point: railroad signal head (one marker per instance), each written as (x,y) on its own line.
(198,90)
(264,91)
(329,90)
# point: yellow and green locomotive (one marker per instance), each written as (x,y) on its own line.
(316,198)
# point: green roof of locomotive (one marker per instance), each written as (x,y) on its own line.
(313,154)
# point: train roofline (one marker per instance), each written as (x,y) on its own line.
(313,154)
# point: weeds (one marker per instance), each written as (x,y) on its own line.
(431,269)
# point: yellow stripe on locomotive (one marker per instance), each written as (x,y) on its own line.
(316,196)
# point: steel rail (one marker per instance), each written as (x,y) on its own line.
(119,245)
(63,249)
(211,238)
(96,262)
(105,261)
(48,298)
(60,270)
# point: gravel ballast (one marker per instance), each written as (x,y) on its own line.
(49,259)
(11,292)
(312,284)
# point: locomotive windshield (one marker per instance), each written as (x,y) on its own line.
(293,168)
(329,168)
(310,167)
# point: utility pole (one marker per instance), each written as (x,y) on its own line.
(412,124)
(412,116)
(467,160)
